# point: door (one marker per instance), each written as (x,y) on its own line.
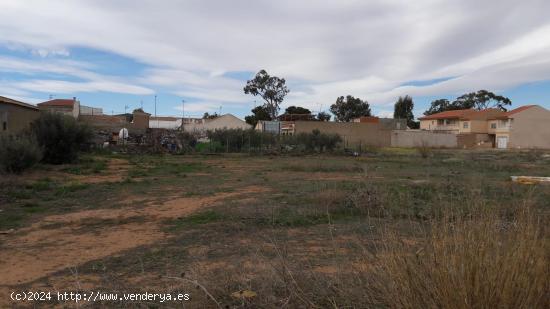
(502,142)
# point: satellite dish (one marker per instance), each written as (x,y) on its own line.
(123,134)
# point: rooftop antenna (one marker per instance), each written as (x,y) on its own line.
(156,111)
(141,101)
(220,111)
(51,96)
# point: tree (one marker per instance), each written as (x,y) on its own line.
(259,113)
(322,116)
(403,109)
(297,110)
(438,106)
(208,116)
(271,88)
(348,108)
(482,99)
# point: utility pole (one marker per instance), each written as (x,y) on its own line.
(182,114)
(220,111)
(156,111)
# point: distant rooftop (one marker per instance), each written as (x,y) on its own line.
(465,114)
(59,102)
(15,102)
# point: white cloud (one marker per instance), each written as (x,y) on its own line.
(364,48)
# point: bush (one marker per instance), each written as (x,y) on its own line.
(424,150)
(18,153)
(317,141)
(477,261)
(61,137)
(237,140)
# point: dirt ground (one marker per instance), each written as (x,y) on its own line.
(223,223)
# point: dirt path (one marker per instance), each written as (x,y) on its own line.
(61,241)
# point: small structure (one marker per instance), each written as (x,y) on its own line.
(16,116)
(268,126)
(227,121)
(69,107)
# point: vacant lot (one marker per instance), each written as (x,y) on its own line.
(308,231)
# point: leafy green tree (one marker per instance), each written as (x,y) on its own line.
(438,106)
(297,110)
(270,88)
(482,99)
(322,116)
(258,113)
(348,108)
(403,109)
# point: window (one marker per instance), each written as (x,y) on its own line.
(4,120)
(466,125)
(493,125)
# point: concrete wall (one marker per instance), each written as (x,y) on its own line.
(418,138)
(17,117)
(530,129)
(88,110)
(354,134)
(165,124)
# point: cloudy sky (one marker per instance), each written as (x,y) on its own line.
(113,54)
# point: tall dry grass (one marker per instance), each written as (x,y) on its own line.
(477,261)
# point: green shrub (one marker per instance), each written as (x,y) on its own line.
(61,137)
(18,153)
(237,140)
(317,141)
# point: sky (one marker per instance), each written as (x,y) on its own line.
(119,55)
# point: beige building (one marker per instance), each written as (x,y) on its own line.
(16,116)
(69,107)
(459,121)
(524,127)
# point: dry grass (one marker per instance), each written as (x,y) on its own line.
(478,261)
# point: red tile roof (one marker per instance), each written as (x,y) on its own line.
(516,110)
(58,102)
(459,113)
(465,114)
